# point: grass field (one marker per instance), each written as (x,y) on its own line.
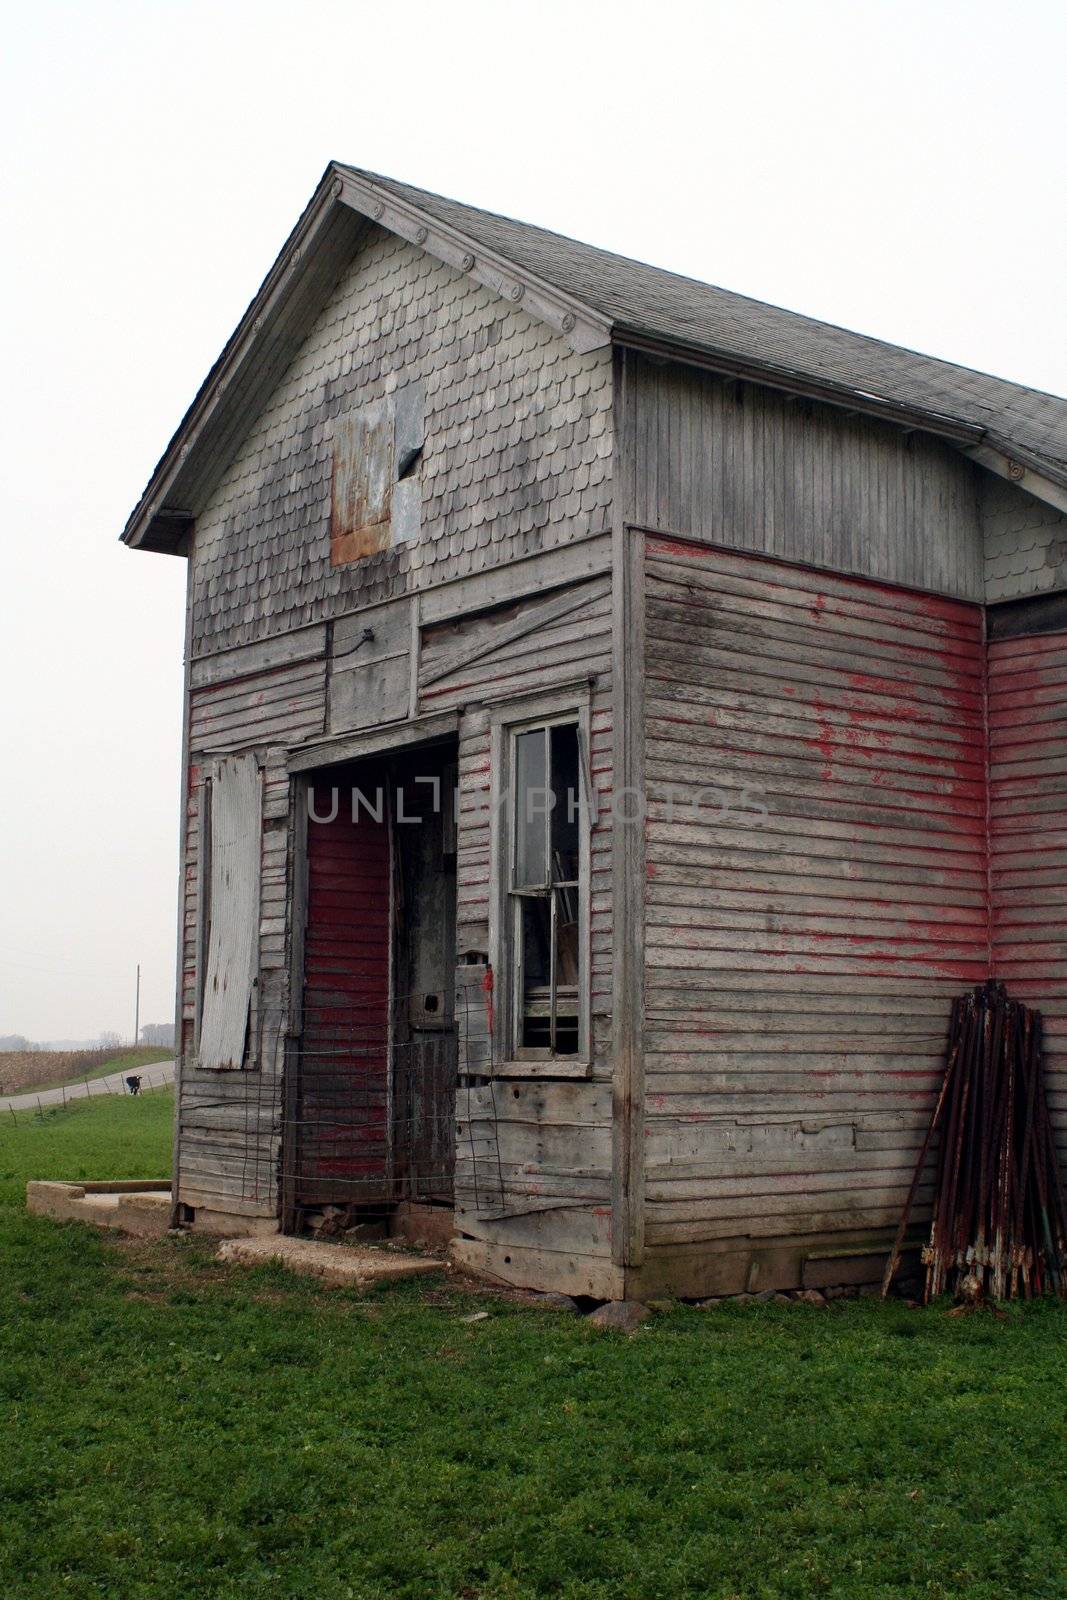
(38,1070)
(179,1430)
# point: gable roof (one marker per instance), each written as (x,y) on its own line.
(647,301)
(592,297)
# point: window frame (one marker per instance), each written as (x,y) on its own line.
(508,721)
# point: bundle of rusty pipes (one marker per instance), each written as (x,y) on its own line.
(999,1226)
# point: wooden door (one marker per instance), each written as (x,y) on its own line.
(343,1140)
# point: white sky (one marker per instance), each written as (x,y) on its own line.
(896,167)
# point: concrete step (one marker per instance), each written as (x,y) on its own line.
(342,1265)
(140,1207)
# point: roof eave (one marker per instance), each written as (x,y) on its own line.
(1045,480)
(582,327)
(803,385)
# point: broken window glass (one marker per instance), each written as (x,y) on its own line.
(546,890)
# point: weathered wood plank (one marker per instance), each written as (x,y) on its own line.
(232,952)
(800,962)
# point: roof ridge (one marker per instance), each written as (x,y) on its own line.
(414,192)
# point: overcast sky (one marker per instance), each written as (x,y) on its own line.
(895,167)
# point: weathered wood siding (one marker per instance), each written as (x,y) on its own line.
(1028,817)
(254,700)
(516,461)
(746,467)
(800,964)
(517,454)
(533,1159)
(538,639)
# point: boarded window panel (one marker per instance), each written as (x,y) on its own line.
(361,484)
(233,911)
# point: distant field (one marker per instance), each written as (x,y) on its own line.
(52,1069)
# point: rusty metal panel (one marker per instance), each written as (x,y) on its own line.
(361,483)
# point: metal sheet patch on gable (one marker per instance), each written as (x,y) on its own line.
(361,483)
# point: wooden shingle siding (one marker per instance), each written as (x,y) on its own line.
(745,467)
(1025,542)
(517,454)
(1028,813)
(800,969)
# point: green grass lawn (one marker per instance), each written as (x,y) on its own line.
(179,1430)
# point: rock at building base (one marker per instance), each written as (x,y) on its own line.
(625,1316)
(811,1297)
(550,1301)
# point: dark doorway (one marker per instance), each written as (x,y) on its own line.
(424,964)
(371,1112)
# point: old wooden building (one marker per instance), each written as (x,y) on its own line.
(620,716)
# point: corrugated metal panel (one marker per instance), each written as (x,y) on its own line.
(743,467)
(342,1137)
(799,972)
(1028,813)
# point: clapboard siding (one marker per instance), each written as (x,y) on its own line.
(281,705)
(526,649)
(1028,816)
(533,1160)
(816,889)
(533,1184)
(745,467)
(230,1122)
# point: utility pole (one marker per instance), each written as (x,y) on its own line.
(137,1007)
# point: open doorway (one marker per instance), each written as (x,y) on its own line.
(371,1108)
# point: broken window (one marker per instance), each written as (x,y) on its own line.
(230,848)
(548,874)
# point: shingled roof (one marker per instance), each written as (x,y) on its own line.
(649,302)
(1018,432)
